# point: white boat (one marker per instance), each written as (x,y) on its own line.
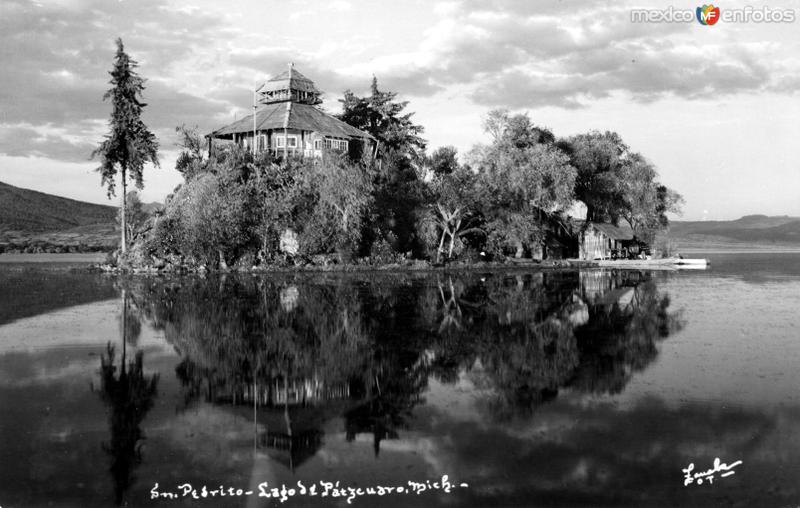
(662,263)
(692,263)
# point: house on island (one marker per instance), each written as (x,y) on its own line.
(599,240)
(289,123)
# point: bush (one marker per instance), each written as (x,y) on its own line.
(429,235)
(512,234)
(205,219)
(319,235)
(234,206)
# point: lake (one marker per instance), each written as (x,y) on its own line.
(556,388)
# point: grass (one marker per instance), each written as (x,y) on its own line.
(88,238)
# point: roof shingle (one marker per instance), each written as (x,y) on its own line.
(301,116)
(612,231)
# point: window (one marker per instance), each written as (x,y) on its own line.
(282,141)
(317,144)
(336,144)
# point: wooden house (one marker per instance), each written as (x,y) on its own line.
(598,240)
(289,123)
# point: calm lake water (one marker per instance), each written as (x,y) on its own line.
(563,388)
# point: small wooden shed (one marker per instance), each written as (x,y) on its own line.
(599,240)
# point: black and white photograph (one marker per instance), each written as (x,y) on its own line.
(372,253)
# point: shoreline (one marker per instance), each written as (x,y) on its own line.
(48,257)
(95,262)
(393,268)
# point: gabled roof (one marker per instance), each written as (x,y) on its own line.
(612,231)
(292,115)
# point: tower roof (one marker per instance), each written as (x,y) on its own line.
(290,85)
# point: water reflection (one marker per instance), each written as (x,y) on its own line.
(556,388)
(128,394)
(299,354)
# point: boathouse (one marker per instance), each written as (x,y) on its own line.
(599,240)
(288,122)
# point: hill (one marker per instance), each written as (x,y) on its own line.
(29,211)
(32,221)
(748,231)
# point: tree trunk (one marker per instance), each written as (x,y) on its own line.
(520,249)
(222,264)
(590,213)
(124,329)
(441,245)
(450,250)
(453,239)
(124,224)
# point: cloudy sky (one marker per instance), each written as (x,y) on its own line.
(716,108)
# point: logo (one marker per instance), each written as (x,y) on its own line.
(710,15)
(707,14)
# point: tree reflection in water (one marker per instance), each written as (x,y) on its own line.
(129,395)
(302,352)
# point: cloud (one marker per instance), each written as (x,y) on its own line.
(57,56)
(336,6)
(24,140)
(646,76)
(524,54)
(495,53)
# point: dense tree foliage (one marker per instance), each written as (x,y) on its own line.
(525,179)
(455,208)
(129,144)
(214,216)
(190,158)
(398,191)
(443,160)
(646,202)
(380,115)
(234,207)
(345,188)
(599,160)
(616,183)
(509,197)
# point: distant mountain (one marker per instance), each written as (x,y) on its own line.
(748,229)
(29,211)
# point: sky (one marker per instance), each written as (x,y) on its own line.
(714,107)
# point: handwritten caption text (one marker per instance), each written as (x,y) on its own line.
(283,492)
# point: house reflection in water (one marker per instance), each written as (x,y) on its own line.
(298,392)
(611,288)
(365,350)
(286,414)
(291,449)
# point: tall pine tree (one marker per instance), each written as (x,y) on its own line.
(401,153)
(383,117)
(129,144)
